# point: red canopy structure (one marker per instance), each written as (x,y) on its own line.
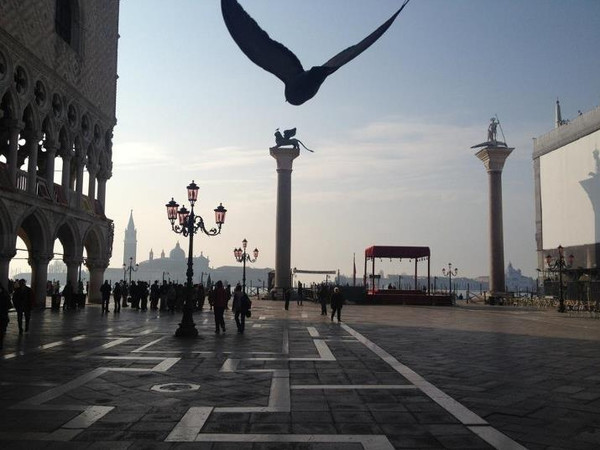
(384,251)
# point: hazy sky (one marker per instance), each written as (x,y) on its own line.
(391,130)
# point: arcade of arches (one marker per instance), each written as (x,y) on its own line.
(55,160)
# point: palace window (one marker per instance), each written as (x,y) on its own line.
(67,21)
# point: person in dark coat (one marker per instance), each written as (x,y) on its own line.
(154,295)
(67,293)
(4,307)
(337,301)
(23,303)
(200,295)
(117,293)
(323,299)
(219,305)
(105,293)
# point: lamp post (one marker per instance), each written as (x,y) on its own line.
(163,276)
(190,224)
(241,256)
(130,269)
(557,266)
(450,273)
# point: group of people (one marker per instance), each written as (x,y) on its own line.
(171,297)
(167,296)
(325,294)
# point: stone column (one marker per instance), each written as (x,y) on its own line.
(66,172)
(493,158)
(5,259)
(93,173)
(73,270)
(39,277)
(51,149)
(283,224)
(14,127)
(32,140)
(102,191)
(80,161)
(96,267)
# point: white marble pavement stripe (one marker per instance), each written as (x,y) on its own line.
(496,438)
(60,390)
(463,414)
(102,347)
(279,395)
(369,442)
(323,350)
(285,347)
(353,386)
(313,332)
(149,344)
(88,417)
(190,425)
(42,347)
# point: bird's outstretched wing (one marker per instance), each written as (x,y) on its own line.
(257,45)
(352,52)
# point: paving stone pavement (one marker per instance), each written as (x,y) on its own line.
(386,377)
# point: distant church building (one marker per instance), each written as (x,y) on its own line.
(58,77)
(130,242)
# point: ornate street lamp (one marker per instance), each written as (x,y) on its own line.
(558,266)
(241,256)
(130,269)
(450,273)
(190,224)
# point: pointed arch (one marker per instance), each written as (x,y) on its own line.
(68,235)
(33,229)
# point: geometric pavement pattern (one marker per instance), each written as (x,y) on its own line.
(294,380)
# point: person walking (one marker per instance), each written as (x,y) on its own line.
(105,293)
(154,295)
(337,301)
(23,303)
(117,296)
(125,292)
(200,295)
(323,299)
(219,304)
(300,294)
(67,293)
(4,307)
(236,306)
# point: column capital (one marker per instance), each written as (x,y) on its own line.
(493,158)
(96,263)
(13,124)
(284,157)
(40,258)
(7,256)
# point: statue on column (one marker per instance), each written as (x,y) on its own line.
(288,139)
(492,132)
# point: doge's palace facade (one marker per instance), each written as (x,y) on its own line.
(58,75)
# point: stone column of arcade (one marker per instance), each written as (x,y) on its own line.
(96,267)
(493,158)
(39,277)
(283,224)
(5,259)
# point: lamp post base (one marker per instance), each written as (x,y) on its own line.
(187,327)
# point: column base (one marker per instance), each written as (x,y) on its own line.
(187,327)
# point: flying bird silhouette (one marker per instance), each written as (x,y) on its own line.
(300,85)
